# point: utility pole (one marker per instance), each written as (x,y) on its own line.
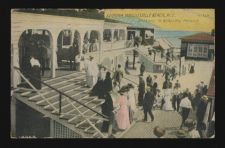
(180,66)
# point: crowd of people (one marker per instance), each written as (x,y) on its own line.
(123,101)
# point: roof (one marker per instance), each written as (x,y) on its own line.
(211,89)
(135,22)
(113,21)
(83,13)
(163,43)
(199,37)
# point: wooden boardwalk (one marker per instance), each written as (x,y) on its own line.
(72,85)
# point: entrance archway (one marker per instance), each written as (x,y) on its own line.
(94,41)
(27,44)
(68,46)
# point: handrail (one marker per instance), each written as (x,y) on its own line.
(123,78)
(62,93)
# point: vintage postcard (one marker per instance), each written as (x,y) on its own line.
(112,73)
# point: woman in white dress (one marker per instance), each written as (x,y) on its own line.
(167,100)
(132,102)
(115,93)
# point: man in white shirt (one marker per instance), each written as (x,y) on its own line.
(91,69)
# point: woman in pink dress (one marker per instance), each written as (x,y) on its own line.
(122,116)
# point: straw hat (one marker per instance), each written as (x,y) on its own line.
(130,85)
(204,98)
(123,89)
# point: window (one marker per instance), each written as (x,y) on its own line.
(121,34)
(130,35)
(66,37)
(211,47)
(200,51)
(195,49)
(190,50)
(148,34)
(107,36)
(205,54)
(116,35)
(86,38)
(93,36)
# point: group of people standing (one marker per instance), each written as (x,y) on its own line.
(147,91)
(120,101)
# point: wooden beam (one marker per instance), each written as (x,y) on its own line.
(47,113)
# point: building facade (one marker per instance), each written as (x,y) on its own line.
(198,46)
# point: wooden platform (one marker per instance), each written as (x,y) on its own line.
(72,85)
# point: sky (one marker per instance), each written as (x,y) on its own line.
(201,20)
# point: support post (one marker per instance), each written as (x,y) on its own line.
(13,116)
(60,103)
(180,66)
(51,128)
(53,54)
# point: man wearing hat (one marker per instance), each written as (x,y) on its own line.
(141,90)
(118,75)
(91,72)
(148,103)
(185,108)
(200,114)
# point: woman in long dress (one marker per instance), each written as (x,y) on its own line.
(167,100)
(122,116)
(115,93)
(107,106)
(35,78)
(132,102)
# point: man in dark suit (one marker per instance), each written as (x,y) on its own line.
(43,55)
(148,103)
(200,114)
(167,84)
(141,90)
(142,69)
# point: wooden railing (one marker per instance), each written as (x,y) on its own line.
(104,117)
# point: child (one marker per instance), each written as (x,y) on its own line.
(192,132)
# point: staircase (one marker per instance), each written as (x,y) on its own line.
(73,114)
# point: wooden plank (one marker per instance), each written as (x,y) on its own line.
(56,95)
(64,76)
(47,113)
(63,107)
(83,110)
(80,106)
(67,80)
(66,97)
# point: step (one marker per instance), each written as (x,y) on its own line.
(55,100)
(63,89)
(79,78)
(84,111)
(58,79)
(55,93)
(69,107)
(40,100)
